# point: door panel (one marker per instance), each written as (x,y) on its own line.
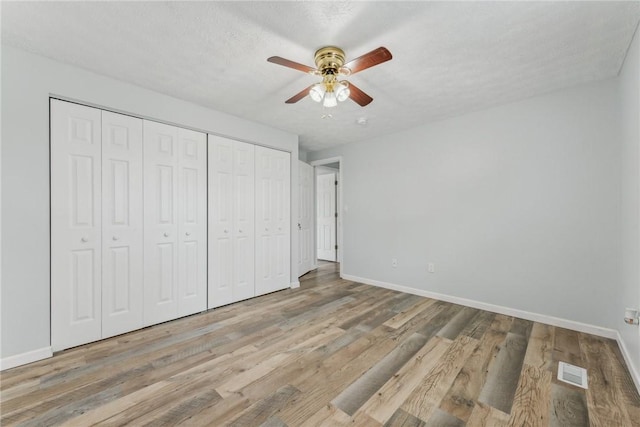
(305,219)
(76,249)
(192,199)
(326,219)
(243,221)
(160,223)
(273,222)
(220,221)
(122,263)
(231,220)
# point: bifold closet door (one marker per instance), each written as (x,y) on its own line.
(273,220)
(76,247)
(192,222)
(231,221)
(175,268)
(122,226)
(160,222)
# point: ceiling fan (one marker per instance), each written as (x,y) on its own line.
(330,65)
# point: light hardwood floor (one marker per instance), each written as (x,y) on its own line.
(330,353)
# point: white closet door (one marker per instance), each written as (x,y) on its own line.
(192,217)
(122,260)
(160,222)
(244,221)
(305,218)
(220,221)
(272,220)
(75,225)
(231,221)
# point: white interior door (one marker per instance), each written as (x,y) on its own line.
(220,221)
(76,247)
(160,222)
(326,217)
(231,221)
(243,221)
(305,218)
(192,222)
(272,220)
(122,261)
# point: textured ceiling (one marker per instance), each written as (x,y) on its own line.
(449,58)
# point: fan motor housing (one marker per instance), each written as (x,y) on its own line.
(329,58)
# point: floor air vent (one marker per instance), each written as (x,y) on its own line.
(573,375)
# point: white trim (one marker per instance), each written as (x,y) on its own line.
(635,375)
(536,317)
(327,161)
(24,358)
(294,285)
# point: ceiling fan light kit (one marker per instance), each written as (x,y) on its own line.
(330,64)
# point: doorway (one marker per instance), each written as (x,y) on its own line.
(328,201)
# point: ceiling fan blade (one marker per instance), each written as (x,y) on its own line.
(368,60)
(296,66)
(359,96)
(298,96)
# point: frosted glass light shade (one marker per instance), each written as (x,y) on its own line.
(342,92)
(330,99)
(317,92)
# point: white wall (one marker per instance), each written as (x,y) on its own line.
(27,82)
(517,206)
(629,91)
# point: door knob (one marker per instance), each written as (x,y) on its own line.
(226,231)
(115,238)
(239,231)
(166,234)
(84,239)
(266,229)
(299,226)
(188,233)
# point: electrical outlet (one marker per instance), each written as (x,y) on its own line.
(431,267)
(394,262)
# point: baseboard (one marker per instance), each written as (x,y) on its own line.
(536,317)
(24,358)
(294,285)
(629,361)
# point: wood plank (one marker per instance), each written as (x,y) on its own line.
(502,379)
(443,419)
(486,416)
(461,397)
(568,407)
(262,410)
(382,405)
(453,328)
(540,347)
(404,316)
(532,400)
(402,418)
(606,404)
(479,324)
(426,398)
(354,396)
